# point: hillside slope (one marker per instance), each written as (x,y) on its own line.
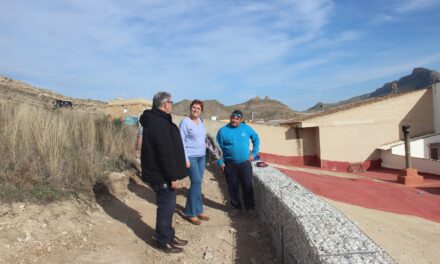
(266,109)
(12,90)
(211,108)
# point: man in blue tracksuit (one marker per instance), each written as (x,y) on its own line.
(233,139)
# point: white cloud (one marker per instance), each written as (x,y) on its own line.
(132,48)
(382,18)
(363,73)
(393,12)
(415,5)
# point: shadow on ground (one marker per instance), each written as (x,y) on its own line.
(245,226)
(206,202)
(124,214)
(431,190)
(142,191)
(247,248)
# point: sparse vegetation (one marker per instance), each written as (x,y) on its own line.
(47,155)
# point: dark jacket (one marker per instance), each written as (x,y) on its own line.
(162,154)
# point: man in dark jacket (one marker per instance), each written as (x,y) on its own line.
(163,165)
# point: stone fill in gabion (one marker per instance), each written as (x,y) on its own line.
(308,229)
(304,204)
(335,235)
(370,258)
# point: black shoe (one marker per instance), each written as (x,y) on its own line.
(178,242)
(251,213)
(168,248)
(234,212)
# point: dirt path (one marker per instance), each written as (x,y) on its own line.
(119,230)
(408,239)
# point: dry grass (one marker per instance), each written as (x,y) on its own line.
(46,155)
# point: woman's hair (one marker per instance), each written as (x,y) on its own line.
(196,101)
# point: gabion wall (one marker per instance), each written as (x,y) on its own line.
(305,228)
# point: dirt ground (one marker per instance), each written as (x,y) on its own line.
(408,239)
(119,230)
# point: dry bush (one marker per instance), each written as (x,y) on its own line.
(48,154)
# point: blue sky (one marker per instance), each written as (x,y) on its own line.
(298,52)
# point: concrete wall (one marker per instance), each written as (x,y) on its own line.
(436,104)
(419,147)
(392,161)
(306,229)
(353,135)
(278,140)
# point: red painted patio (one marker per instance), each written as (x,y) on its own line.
(376,189)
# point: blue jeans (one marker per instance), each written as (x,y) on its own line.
(194,205)
(166,204)
(236,175)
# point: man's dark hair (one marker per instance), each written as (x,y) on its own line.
(198,102)
(237,113)
(160,98)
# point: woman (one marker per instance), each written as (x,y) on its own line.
(193,134)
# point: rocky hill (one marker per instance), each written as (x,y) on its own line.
(12,90)
(211,108)
(262,109)
(419,78)
(266,109)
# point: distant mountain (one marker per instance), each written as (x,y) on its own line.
(266,109)
(419,78)
(211,108)
(262,109)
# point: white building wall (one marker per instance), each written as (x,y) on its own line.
(419,147)
(398,162)
(428,141)
(436,105)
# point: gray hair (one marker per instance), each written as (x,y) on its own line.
(160,98)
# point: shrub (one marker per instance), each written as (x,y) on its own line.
(46,155)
